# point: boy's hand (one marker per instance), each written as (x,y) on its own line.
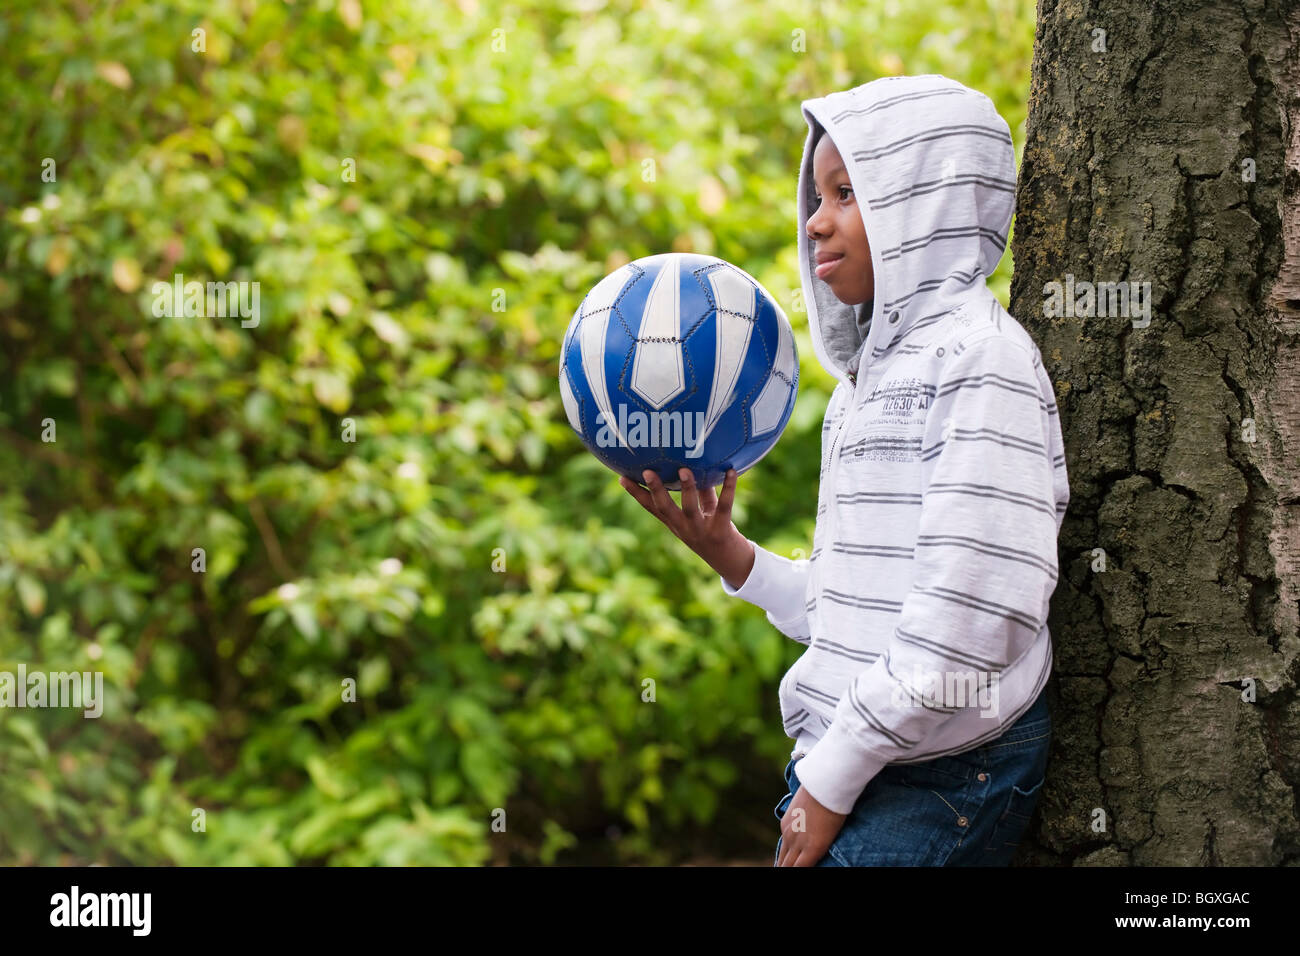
(702,523)
(807,846)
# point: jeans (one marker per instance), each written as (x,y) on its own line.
(966,809)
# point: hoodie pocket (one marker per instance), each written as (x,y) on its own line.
(793,714)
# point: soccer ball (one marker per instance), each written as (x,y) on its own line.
(679,360)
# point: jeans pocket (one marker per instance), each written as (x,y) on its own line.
(780,808)
(1013,823)
(953,770)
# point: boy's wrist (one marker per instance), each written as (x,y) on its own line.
(736,561)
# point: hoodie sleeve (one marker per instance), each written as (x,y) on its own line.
(985,567)
(777,585)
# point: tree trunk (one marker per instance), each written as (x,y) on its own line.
(1167,150)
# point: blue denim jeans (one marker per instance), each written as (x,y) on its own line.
(966,809)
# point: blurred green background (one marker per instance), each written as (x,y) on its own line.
(495,595)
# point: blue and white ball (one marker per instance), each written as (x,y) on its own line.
(679,360)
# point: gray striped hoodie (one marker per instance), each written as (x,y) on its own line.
(923,603)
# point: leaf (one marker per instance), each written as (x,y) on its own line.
(31,593)
(390,331)
(25,730)
(60,254)
(332,391)
(126,274)
(373,676)
(218,258)
(712,196)
(304,619)
(324,777)
(533,448)
(313,836)
(446,787)
(481,769)
(114,73)
(350,14)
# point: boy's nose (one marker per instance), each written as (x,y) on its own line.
(814,226)
(814,231)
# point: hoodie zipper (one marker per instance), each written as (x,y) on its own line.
(832,506)
(844,421)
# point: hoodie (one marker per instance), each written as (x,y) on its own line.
(923,603)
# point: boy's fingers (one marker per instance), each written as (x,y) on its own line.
(708,499)
(728,494)
(690,495)
(645,498)
(636,491)
(659,494)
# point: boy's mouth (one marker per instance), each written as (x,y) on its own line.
(825,268)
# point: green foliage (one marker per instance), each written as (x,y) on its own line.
(498,600)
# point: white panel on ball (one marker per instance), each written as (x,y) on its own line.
(570,403)
(733,297)
(657,371)
(767,411)
(596,310)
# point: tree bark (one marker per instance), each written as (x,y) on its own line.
(1133,171)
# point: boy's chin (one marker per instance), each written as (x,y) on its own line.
(851,298)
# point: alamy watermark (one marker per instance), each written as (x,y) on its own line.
(949,689)
(130,910)
(637,429)
(1085,300)
(219,300)
(77,689)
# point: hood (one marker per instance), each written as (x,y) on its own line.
(932,168)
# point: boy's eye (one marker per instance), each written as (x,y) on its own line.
(842,196)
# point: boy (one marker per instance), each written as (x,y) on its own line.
(920,724)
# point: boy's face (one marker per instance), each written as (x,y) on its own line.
(836,229)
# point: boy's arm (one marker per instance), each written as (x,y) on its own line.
(985,568)
(777,585)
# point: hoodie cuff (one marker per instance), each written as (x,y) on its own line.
(772,585)
(837,770)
